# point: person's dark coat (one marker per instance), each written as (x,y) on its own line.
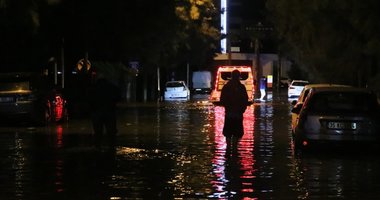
(103,98)
(234,98)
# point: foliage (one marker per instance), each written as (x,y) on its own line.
(155,33)
(335,41)
(199,30)
(19,24)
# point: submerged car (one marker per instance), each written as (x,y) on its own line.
(176,90)
(295,88)
(26,97)
(336,114)
(297,104)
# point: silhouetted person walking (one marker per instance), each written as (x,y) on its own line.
(103,98)
(234,98)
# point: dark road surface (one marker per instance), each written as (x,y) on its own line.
(175,150)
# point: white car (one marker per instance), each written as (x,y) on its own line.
(295,88)
(176,90)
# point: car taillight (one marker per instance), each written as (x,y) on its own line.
(58,100)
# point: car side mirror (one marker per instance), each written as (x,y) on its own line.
(297,108)
(294,102)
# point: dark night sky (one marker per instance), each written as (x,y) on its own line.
(253,9)
(72,23)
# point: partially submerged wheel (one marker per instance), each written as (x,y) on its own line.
(41,115)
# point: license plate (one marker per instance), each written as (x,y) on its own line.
(342,125)
(6,99)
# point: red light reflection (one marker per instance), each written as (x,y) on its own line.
(59,131)
(59,161)
(233,166)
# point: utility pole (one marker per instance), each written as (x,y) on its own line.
(158,83)
(63,63)
(229,50)
(187,74)
(257,64)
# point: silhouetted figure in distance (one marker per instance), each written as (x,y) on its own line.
(104,96)
(234,98)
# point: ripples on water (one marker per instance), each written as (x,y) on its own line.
(233,166)
(176,150)
(190,137)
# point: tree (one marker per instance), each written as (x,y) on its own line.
(199,32)
(19,34)
(327,37)
(155,33)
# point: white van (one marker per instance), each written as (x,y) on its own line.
(201,82)
(224,75)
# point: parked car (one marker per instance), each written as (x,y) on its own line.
(336,114)
(297,104)
(26,97)
(295,88)
(176,90)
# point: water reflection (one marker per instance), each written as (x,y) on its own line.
(265,149)
(177,151)
(59,161)
(175,144)
(335,176)
(233,165)
(19,166)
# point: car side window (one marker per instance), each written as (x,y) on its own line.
(297,108)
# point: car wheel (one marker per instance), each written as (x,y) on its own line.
(41,117)
(297,142)
(297,145)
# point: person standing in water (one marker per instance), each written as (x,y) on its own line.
(234,98)
(103,98)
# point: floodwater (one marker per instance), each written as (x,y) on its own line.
(176,150)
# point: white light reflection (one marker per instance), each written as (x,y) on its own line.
(19,166)
(233,166)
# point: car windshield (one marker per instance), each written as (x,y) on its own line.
(344,102)
(11,86)
(299,83)
(227,75)
(174,84)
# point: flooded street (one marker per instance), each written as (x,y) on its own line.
(176,150)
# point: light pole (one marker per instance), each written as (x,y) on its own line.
(63,63)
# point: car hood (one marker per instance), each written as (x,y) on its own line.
(15,92)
